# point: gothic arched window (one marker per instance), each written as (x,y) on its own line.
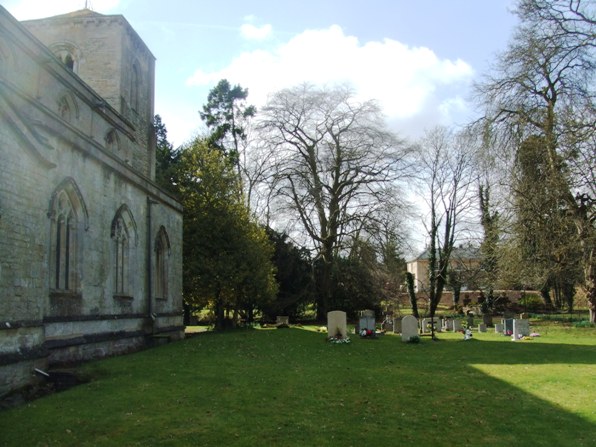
(162,255)
(112,141)
(64,109)
(125,238)
(69,218)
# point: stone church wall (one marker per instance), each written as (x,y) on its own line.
(123,249)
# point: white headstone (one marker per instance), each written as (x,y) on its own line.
(336,323)
(409,327)
(499,328)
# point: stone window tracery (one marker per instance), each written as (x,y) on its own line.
(68,216)
(162,254)
(124,238)
(64,109)
(65,246)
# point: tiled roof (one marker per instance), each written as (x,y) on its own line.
(462,252)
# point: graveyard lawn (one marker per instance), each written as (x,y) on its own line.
(291,387)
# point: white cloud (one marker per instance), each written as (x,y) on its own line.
(252,32)
(403,79)
(35,9)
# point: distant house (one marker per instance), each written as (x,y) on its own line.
(465,260)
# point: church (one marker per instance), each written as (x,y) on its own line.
(90,246)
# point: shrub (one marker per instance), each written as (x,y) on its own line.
(531,302)
(584,323)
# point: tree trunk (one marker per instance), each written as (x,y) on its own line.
(412,294)
(219,311)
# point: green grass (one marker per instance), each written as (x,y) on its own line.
(290,387)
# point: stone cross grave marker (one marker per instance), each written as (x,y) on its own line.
(426,322)
(337,324)
(409,327)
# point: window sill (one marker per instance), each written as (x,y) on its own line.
(68,294)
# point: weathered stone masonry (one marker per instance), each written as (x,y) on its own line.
(90,247)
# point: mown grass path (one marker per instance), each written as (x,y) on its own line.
(290,387)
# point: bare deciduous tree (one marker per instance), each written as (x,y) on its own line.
(448,180)
(336,165)
(543,87)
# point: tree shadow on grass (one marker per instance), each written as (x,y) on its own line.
(439,390)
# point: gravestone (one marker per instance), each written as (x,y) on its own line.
(336,324)
(397,325)
(367,320)
(387,324)
(425,325)
(456,325)
(507,326)
(409,327)
(482,327)
(520,328)
(499,328)
(282,320)
(448,324)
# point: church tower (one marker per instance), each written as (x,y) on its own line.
(110,57)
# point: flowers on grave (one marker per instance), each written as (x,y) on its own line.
(339,339)
(367,333)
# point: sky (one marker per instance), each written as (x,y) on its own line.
(417,58)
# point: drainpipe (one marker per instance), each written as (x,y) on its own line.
(150,314)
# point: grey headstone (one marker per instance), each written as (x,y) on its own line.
(456,325)
(482,327)
(448,324)
(508,326)
(397,325)
(521,328)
